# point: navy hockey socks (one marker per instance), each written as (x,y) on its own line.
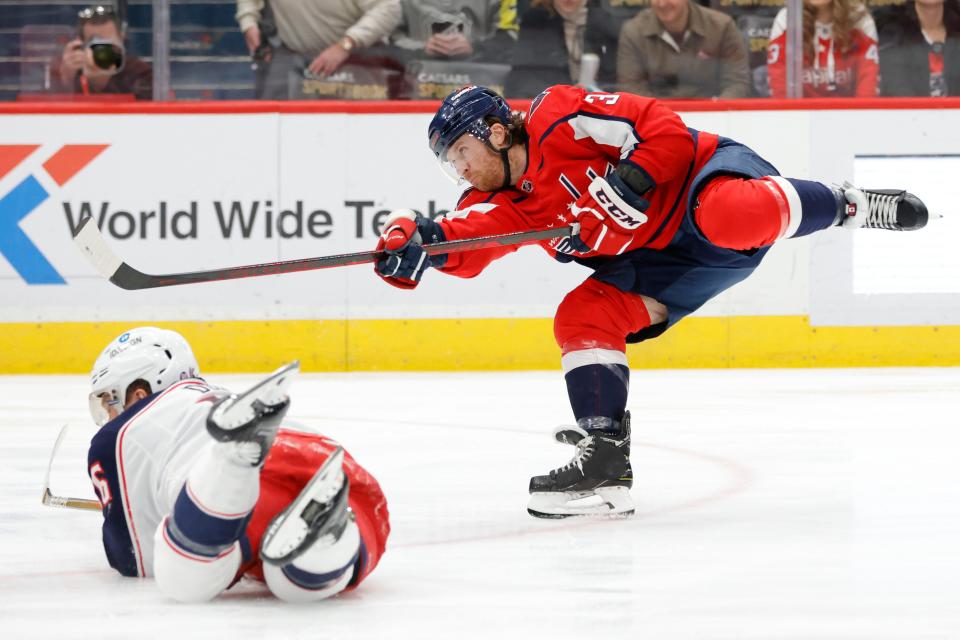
(201,532)
(597,390)
(214,505)
(812,206)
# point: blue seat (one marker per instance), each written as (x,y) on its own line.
(9,45)
(209,14)
(215,93)
(211,72)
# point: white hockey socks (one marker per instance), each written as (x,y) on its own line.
(323,570)
(197,548)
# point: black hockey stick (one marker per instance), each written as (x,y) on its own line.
(94,247)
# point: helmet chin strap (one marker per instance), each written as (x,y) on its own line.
(504,158)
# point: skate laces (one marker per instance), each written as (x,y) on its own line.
(882,213)
(585,448)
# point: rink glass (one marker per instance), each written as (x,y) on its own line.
(199,53)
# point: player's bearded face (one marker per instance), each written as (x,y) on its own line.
(475,163)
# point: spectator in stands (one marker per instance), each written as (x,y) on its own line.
(96,62)
(313,35)
(475,30)
(920,50)
(839,50)
(554,35)
(679,49)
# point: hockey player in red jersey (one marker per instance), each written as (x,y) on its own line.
(200,486)
(669,217)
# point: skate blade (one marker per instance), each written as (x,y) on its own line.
(272,390)
(287,532)
(614,502)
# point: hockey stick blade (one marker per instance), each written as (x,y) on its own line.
(51,500)
(95,248)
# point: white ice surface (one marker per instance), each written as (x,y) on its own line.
(771,505)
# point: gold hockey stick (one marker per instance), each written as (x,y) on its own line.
(51,500)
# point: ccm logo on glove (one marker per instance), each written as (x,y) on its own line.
(608,214)
(624,215)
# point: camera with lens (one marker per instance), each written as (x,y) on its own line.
(106,53)
(437,22)
(446,27)
(263,51)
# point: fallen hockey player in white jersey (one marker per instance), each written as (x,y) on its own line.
(200,486)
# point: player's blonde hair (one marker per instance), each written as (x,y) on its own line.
(518,122)
(517,127)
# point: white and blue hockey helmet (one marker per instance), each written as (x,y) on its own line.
(159,357)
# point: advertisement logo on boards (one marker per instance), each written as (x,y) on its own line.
(15,205)
(30,175)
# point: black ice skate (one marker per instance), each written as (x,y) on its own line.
(319,514)
(880,209)
(600,468)
(253,417)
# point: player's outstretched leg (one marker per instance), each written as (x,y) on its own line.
(251,419)
(310,550)
(892,209)
(596,482)
(744,214)
(197,549)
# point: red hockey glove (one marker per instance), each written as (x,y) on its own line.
(404,259)
(608,213)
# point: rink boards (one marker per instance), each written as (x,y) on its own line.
(188,187)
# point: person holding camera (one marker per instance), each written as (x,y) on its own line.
(315,36)
(475,30)
(96,62)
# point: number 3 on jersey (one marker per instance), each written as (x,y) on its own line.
(100,484)
(606,98)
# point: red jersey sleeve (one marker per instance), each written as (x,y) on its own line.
(478,214)
(621,126)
